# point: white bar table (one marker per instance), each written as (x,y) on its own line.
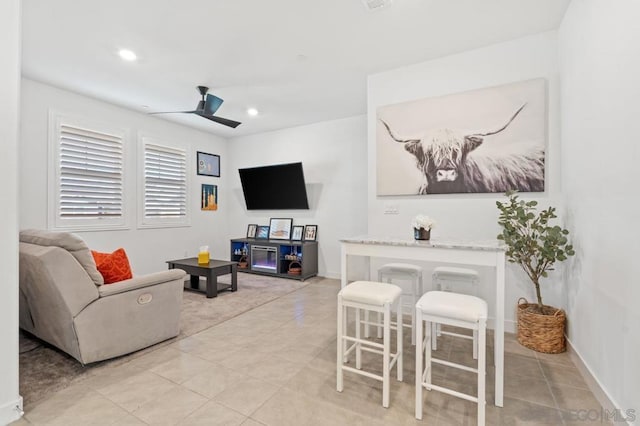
(482,253)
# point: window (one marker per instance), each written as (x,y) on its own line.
(88,176)
(163,185)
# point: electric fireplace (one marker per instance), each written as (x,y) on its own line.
(264,258)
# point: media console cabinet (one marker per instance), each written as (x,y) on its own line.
(281,258)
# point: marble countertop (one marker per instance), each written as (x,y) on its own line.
(485,245)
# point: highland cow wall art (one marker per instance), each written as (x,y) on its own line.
(487,140)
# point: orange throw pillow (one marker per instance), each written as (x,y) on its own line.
(114,266)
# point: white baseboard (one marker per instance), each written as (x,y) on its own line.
(11,411)
(593,383)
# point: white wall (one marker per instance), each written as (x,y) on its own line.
(600,64)
(333,156)
(9,118)
(148,249)
(469,216)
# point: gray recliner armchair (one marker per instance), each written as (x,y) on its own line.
(64,302)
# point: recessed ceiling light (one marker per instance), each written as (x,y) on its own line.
(252,112)
(127,55)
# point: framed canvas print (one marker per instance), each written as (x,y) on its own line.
(310,232)
(262,233)
(297,232)
(251,230)
(208,164)
(209,198)
(280,228)
(488,140)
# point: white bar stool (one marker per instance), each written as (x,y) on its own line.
(459,310)
(377,297)
(404,272)
(458,280)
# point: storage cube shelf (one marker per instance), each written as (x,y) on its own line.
(286,259)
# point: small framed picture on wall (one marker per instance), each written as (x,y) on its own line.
(297,232)
(310,232)
(208,164)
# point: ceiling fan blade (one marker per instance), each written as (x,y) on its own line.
(173,112)
(212,104)
(224,121)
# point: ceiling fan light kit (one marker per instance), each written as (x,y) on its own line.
(206,108)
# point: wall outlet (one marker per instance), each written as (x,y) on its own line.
(390,209)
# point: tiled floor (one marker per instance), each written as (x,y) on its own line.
(275,365)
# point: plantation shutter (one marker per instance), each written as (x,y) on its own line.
(165,182)
(90,183)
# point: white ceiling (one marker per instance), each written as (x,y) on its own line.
(297,61)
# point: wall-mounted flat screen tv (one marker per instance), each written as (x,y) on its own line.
(276,187)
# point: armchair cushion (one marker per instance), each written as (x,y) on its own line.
(141,281)
(114,267)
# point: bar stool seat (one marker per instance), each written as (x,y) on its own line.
(376,297)
(459,310)
(404,272)
(458,280)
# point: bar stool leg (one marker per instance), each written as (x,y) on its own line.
(399,351)
(420,346)
(427,353)
(358,345)
(434,334)
(475,344)
(367,328)
(386,355)
(482,325)
(340,351)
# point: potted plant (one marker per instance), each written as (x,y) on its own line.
(536,245)
(422,225)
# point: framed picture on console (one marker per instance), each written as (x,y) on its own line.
(251,230)
(297,232)
(262,233)
(280,229)
(310,232)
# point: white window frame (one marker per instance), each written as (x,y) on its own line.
(55,221)
(167,222)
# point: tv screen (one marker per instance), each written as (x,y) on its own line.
(276,187)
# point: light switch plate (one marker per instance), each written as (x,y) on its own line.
(390,209)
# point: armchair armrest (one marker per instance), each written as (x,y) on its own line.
(141,281)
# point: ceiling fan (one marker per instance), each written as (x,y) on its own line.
(206,108)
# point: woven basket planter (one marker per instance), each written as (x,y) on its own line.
(541,332)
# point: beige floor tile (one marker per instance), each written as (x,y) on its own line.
(570,398)
(564,375)
(130,420)
(135,391)
(170,408)
(214,414)
(516,412)
(152,359)
(245,396)
(289,408)
(108,376)
(90,408)
(273,369)
(20,422)
(182,368)
(530,389)
(251,422)
(211,382)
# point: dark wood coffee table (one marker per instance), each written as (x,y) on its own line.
(210,271)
